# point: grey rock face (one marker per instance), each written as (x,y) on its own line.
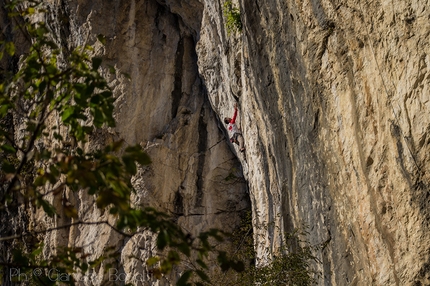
(165,109)
(334,109)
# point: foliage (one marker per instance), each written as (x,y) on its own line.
(232,16)
(292,265)
(62,98)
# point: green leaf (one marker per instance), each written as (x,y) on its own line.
(96,63)
(88,129)
(96,99)
(10,48)
(8,168)
(102,39)
(84,266)
(37,251)
(70,211)
(47,207)
(51,70)
(45,154)
(129,164)
(58,136)
(54,171)
(138,154)
(202,275)
(184,278)
(19,258)
(67,113)
(4,109)
(52,45)
(98,118)
(185,249)
(111,69)
(142,158)
(202,264)
(152,260)
(162,240)
(8,149)
(173,257)
(40,181)
(238,266)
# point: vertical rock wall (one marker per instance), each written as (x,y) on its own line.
(334,106)
(164,107)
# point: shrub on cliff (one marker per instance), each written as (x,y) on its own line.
(292,265)
(232,17)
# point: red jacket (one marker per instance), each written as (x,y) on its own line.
(232,128)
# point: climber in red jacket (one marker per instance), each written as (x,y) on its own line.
(233,131)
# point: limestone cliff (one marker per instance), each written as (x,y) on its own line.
(165,108)
(334,100)
(333,104)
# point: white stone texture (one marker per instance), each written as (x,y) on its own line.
(334,106)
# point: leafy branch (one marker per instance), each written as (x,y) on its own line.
(232,16)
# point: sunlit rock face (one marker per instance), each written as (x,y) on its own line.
(334,108)
(333,104)
(161,104)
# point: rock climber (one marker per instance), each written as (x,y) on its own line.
(233,131)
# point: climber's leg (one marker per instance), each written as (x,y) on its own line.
(241,142)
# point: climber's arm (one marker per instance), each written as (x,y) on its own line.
(233,120)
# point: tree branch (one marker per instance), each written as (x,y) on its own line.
(66,226)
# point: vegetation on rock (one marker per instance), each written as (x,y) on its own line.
(293,265)
(232,16)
